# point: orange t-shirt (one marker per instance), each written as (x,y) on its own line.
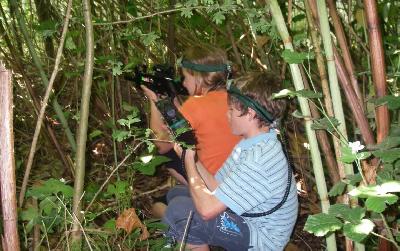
(208,117)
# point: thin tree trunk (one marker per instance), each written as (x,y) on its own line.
(171,35)
(341,38)
(305,109)
(83,127)
(378,67)
(7,170)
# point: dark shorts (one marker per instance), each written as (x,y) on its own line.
(227,230)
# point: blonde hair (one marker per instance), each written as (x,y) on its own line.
(206,55)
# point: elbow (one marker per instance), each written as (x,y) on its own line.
(206,213)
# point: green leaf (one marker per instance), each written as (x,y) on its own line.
(388,155)
(328,124)
(49,187)
(321,224)
(188,13)
(110,225)
(358,232)
(390,187)
(292,57)
(378,204)
(48,204)
(345,212)
(149,38)
(30,213)
(354,179)
(120,135)
(149,168)
(117,69)
(347,155)
(392,102)
(69,44)
(94,134)
(337,189)
(218,17)
(308,94)
(388,143)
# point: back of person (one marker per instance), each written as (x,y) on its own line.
(262,163)
(207,116)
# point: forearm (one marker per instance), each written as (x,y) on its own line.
(207,177)
(159,129)
(205,202)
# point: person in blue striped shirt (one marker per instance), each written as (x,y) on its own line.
(251,203)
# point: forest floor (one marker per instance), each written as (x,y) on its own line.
(300,240)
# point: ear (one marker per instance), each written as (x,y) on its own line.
(251,113)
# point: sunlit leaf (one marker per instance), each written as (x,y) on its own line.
(345,212)
(321,224)
(358,232)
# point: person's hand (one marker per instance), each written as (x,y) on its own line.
(149,93)
(190,154)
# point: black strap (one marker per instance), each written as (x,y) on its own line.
(289,183)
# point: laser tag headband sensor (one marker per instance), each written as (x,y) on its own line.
(205,67)
(249,102)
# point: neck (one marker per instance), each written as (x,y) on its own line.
(255,132)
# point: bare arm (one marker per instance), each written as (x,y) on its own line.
(157,124)
(204,200)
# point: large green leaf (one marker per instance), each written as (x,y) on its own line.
(377,204)
(345,212)
(358,232)
(321,224)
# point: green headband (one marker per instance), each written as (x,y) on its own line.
(205,67)
(250,103)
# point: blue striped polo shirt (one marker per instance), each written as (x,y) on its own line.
(253,180)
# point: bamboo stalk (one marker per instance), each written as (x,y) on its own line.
(378,67)
(56,106)
(305,109)
(7,170)
(49,89)
(83,127)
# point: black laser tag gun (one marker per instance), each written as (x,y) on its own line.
(178,125)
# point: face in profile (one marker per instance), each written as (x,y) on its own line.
(189,82)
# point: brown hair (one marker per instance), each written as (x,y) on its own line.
(207,55)
(260,87)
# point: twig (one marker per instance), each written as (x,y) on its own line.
(182,246)
(44,104)
(166,185)
(151,15)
